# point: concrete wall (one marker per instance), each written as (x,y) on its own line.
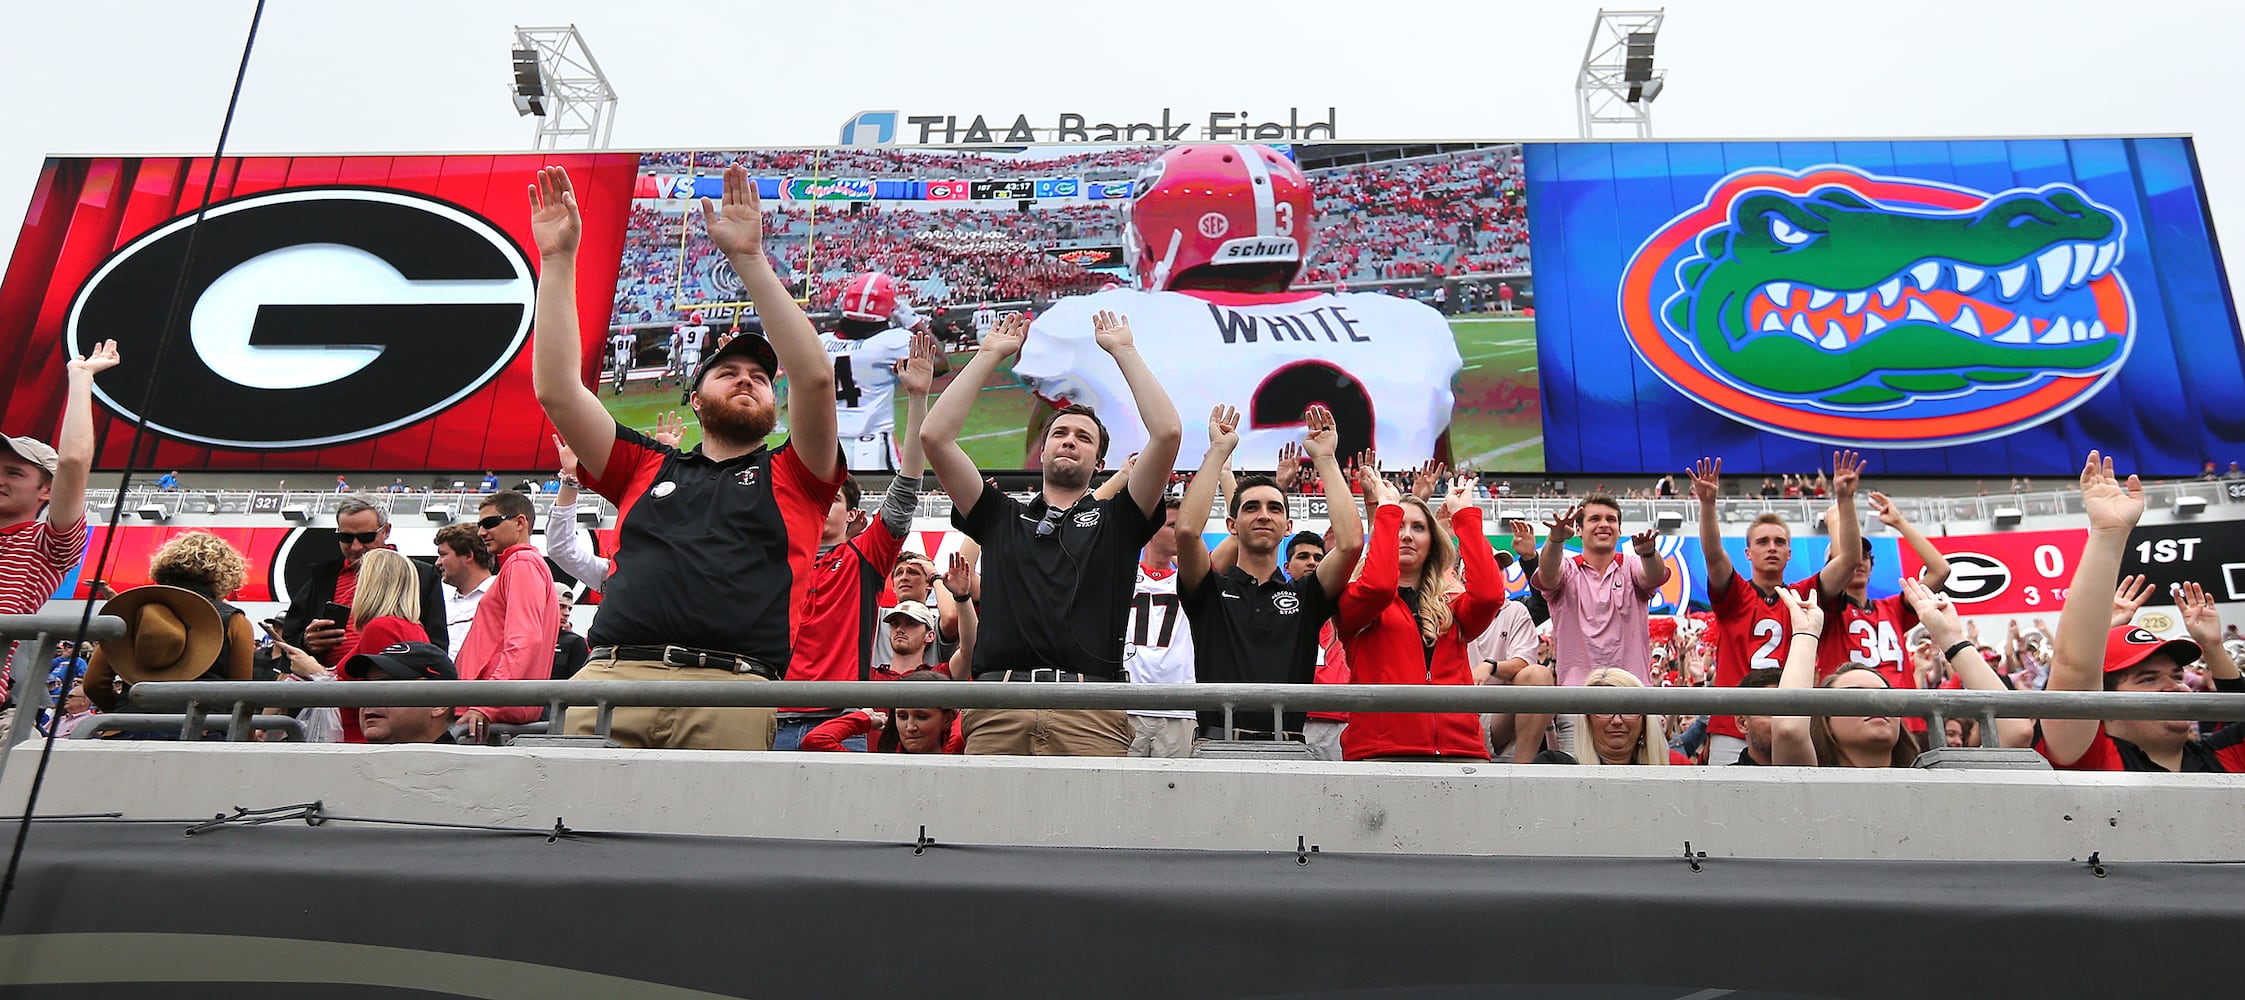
(1474,809)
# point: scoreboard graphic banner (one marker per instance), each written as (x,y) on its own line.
(1951,308)
(1966,308)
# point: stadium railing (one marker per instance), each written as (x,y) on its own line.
(197,699)
(1732,510)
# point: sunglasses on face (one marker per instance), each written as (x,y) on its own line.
(361,537)
(492,521)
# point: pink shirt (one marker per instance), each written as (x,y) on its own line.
(513,634)
(1600,619)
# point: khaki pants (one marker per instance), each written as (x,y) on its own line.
(1153,736)
(674,728)
(1038,732)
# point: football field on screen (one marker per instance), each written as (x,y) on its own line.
(1497,426)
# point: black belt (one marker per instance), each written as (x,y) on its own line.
(684,657)
(1041,674)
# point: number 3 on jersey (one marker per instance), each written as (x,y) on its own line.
(1874,643)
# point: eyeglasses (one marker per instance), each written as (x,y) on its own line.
(1051,523)
(361,537)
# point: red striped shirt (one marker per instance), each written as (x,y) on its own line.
(34,557)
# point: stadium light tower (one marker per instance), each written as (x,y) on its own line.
(1617,83)
(557,79)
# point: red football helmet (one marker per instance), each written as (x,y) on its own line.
(1212,205)
(694,317)
(869,298)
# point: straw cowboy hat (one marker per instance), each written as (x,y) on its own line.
(171,634)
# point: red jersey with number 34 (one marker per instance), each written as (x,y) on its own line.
(1750,633)
(1869,633)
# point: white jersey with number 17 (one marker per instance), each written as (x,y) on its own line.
(865,380)
(1373,359)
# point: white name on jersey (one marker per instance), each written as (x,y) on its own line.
(1373,359)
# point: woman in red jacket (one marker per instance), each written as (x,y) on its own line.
(1406,619)
(902,730)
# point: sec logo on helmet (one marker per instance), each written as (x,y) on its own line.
(311,316)
(1838,305)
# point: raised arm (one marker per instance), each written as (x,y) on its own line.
(1707,486)
(74,447)
(1116,483)
(1366,596)
(1790,745)
(557,350)
(1200,496)
(2079,664)
(1652,570)
(1946,629)
(915,375)
(2204,623)
(1484,579)
(1847,535)
(1323,446)
(1936,570)
(939,433)
(959,582)
(1549,569)
(1165,431)
(737,229)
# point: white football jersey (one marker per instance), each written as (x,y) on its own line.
(1158,642)
(1271,353)
(984,319)
(677,344)
(865,380)
(692,338)
(622,346)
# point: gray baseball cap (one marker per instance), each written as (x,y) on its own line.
(35,452)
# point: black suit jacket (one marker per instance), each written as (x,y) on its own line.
(319,588)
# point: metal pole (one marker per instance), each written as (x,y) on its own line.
(24,667)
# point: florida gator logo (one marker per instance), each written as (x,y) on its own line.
(1842,306)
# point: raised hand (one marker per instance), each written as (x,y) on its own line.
(554,222)
(1459,498)
(670,428)
(1647,543)
(959,579)
(1289,466)
(737,227)
(1807,615)
(1523,538)
(1942,623)
(1561,528)
(2200,618)
(2129,598)
(1377,489)
(1426,478)
(2111,504)
(103,358)
(1707,479)
(569,458)
(915,374)
(1847,471)
(1004,340)
(1323,437)
(1111,331)
(1223,425)
(1889,515)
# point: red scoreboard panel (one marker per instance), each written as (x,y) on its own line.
(340,313)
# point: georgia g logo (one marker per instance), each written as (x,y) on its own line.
(314,316)
(1841,306)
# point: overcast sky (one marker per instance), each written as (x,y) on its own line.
(141,76)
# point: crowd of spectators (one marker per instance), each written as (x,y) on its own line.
(1435,216)
(1106,163)
(1114,582)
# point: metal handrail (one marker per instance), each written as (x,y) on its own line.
(205,696)
(1730,510)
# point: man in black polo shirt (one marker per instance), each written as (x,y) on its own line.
(715,544)
(1252,625)
(1058,572)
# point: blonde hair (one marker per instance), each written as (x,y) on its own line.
(1438,578)
(388,587)
(1652,743)
(201,562)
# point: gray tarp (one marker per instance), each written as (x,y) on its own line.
(369,911)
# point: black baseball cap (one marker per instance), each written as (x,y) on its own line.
(405,661)
(751,345)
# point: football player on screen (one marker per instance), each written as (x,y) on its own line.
(1215,234)
(874,336)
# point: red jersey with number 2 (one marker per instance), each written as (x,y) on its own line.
(1750,633)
